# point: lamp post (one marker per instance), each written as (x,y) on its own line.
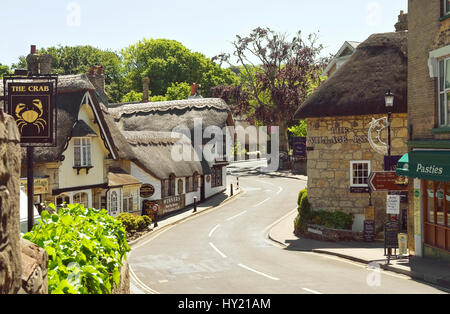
(389,102)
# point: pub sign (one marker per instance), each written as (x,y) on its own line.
(32,104)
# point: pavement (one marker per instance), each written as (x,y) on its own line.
(372,254)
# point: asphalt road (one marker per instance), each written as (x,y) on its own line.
(226,251)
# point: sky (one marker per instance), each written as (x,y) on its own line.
(203,26)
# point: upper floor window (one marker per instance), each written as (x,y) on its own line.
(82,152)
(444,92)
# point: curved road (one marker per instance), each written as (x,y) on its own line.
(226,251)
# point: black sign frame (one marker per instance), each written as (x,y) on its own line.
(49,108)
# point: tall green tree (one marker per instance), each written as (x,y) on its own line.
(78,59)
(168,62)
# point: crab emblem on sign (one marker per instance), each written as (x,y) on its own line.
(30,115)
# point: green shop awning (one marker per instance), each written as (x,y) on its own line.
(429,165)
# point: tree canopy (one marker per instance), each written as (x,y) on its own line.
(277,74)
(4,69)
(168,62)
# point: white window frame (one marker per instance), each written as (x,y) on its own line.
(127,196)
(444,92)
(80,194)
(85,151)
(353,162)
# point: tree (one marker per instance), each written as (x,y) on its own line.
(277,75)
(4,69)
(168,62)
(178,91)
(76,60)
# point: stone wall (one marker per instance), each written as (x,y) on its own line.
(337,141)
(10,248)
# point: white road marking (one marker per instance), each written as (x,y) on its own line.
(311,291)
(163,281)
(217,250)
(212,231)
(258,272)
(231,218)
(259,204)
(281,190)
(139,283)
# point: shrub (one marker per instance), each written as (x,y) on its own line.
(148,220)
(141,223)
(304,212)
(85,248)
(334,220)
(129,222)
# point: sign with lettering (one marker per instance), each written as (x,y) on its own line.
(391,231)
(299,147)
(147,190)
(393,205)
(387,181)
(369,231)
(172,203)
(32,104)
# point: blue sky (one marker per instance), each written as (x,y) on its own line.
(205,26)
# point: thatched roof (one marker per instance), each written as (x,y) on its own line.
(165,116)
(379,64)
(153,151)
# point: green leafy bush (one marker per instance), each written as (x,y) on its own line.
(304,213)
(86,248)
(129,222)
(334,220)
(133,223)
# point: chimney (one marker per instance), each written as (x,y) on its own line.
(38,64)
(97,78)
(33,61)
(45,64)
(145,89)
(195,91)
(402,24)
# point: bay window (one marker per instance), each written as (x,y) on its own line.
(130,201)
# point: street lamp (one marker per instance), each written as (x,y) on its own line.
(389,102)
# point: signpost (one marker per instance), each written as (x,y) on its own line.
(31,100)
(385,181)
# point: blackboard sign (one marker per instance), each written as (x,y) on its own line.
(404,219)
(369,231)
(391,231)
(299,147)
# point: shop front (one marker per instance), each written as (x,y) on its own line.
(431,190)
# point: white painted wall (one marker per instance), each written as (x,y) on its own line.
(210,191)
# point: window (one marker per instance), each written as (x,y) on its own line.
(113,205)
(195,179)
(61,200)
(359,173)
(189,184)
(172,185)
(164,188)
(129,203)
(444,92)
(216,177)
(82,152)
(436,202)
(446,7)
(81,198)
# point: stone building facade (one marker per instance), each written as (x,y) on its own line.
(428,127)
(335,144)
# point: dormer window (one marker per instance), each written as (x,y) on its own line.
(82,154)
